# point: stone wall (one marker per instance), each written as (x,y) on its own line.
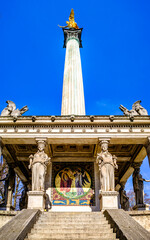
(142,217)
(5,216)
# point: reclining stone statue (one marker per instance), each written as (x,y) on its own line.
(11,110)
(136,110)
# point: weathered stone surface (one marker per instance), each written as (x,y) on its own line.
(6,216)
(125,226)
(18,227)
(142,217)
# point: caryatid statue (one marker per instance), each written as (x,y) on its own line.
(138,186)
(38,164)
(107,164)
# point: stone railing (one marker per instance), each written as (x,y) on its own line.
(142,217)
(5,216)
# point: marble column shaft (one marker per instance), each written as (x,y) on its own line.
(73,93)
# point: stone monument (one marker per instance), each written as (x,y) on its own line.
(73,93)
(107,164)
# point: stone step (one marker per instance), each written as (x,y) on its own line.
(72,213)
(72,236)
(69,227)
(72,221)
(72,230)
(32,238)
(71,217)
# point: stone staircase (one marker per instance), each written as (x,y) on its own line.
(71,226)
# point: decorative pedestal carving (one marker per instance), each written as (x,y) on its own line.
(108,200)
(36,200)
(141,207)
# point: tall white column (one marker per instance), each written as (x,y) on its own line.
(73,93)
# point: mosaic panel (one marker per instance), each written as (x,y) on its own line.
(73,184)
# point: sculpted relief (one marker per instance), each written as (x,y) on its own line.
(38,165)
(107,164)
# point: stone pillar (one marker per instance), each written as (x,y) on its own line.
(73,93)
(38,165)
(107,163)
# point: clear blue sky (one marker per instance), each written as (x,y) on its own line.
(115,55)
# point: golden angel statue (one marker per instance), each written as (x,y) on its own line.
(71,23)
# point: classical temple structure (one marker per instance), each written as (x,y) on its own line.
(74,162)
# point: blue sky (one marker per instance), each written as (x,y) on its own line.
(115,55)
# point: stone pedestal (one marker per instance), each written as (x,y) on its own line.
(9,199)
(141,207)
(108,200)
(36,200)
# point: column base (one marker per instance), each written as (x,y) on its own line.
(36,200)
(108,200)
(141,207)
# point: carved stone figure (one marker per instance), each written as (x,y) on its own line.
(124,200)
(11,110)
(71,23)
(107,164)
(23,199)
(136,110)
(38,164)
(138,186)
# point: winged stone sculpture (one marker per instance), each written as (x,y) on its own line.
(11,110)
(71,23)
(136,110)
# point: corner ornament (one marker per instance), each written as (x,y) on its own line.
(136,110)
(11,110)
(71,23)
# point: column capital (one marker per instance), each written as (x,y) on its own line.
(72,34)
(103,140)
(41,140)
(136,165)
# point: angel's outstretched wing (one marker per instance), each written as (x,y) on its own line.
(11,105)
(71,17)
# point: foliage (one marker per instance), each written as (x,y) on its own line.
(131,196)
(146,198)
